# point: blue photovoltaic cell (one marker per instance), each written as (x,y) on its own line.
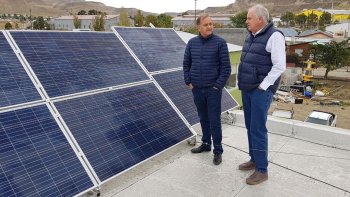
(72,62)
(157,49)
(117,130)
(15,85)
(174,86)
(35,157)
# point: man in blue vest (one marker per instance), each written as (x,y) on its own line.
(207,67)
(263,60)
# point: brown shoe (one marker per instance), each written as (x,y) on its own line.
(256,178)
(247,166)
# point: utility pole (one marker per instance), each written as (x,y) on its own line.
(195,11)
(30,18)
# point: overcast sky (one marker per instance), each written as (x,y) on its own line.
(161,6)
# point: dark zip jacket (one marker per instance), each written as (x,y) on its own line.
(206,62)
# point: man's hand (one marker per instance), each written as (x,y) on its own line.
(190,86)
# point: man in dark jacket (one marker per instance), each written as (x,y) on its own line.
(263,60)
(206,68)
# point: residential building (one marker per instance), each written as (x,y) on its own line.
(66,22)
(181,22)
(340,30)
(318,34)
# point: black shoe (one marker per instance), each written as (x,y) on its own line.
(201,148)
(217,158)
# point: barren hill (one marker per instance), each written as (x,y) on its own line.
(65,7)
(55,7)
(278,7)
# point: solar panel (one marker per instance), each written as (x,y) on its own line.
(174,86)
(72,62)
(158,49)
(119,129)
(36,158)
(15,85)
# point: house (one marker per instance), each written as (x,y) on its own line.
(318,34)
(298,48)
(340,30)
(66,22)
(181,22)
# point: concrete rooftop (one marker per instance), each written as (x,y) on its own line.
(304,160)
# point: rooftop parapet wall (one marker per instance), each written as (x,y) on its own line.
(331,136)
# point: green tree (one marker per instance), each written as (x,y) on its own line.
(92,12)
(312,20)
(22,18)
(139,19)
(332,55)
(301,19)
(76,22)
(325,18)
(164,20)
(124,18)
(99,22)
(40,23)
(287,17)
(238,20)
(151,19)
(8,25)
(82,12)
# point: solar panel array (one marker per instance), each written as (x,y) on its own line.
(121,128)
(161,49)
(72,62)
(15,85)
(98,114)
(158,49)
(36,159)
(173,85)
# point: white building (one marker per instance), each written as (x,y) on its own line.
(340,30)
(180,22)
(66,22)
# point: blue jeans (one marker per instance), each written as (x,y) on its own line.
(208,103)
(256,104)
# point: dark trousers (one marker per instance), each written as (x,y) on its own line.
(256,104)
(208,103)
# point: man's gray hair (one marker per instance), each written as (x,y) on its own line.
(261,11)
(201,17)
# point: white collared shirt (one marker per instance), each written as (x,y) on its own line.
(276,46)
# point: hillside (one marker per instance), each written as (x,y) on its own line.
(55,7)
(278,7)
(64,7)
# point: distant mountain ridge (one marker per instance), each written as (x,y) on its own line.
(65,7)
(278,7)
(56,7)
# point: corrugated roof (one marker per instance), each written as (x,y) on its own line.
(288,32)
(311,32)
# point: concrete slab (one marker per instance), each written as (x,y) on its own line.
(237,138)
(297,168)
(192,175)
(283,182)
(327,164)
